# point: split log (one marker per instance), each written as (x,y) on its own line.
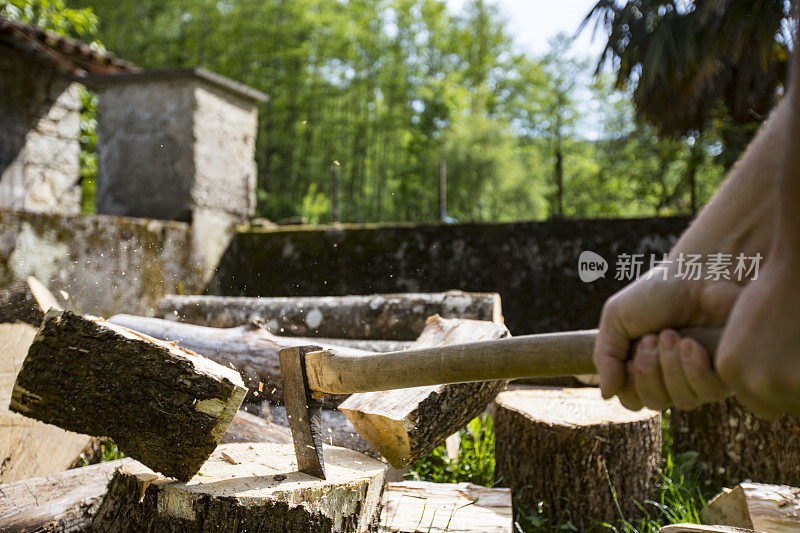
(406,424)
(411,506)
(251,350)
(735,445)
(574,450)
(376,316)
(164,406)
(25,301)
(756,506)
(247,487)
(60,503)
(696,528)
(28,448)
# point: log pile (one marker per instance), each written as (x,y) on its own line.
(583,456)
(377,316)
(247,487)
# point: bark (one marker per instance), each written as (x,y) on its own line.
(28,448)
(377,316)
(406,424)
(756,506)
(410,506)
(25,301)
(735,445)
(568,448)
(60,503)
(247,487)
(251,350)
(164,406)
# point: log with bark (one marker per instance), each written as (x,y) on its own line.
(28,448)
(410,506)
(64,502)
(163,405)
(247,487)
(376,316)
(735,445)
(406,424)
(756,506)
(576,452)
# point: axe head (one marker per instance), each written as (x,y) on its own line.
(302,410)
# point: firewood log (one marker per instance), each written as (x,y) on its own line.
(756,506)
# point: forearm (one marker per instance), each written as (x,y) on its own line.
(787,231)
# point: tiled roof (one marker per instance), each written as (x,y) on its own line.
(70,56)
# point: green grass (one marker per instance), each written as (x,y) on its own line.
(681,497)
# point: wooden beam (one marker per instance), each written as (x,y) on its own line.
(163,405)
(376,316)
(405,424)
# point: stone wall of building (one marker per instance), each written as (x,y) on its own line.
(534,266)
(39,136)
(106,264)
(176,145)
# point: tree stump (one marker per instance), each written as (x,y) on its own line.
(248,487)
(576,452)
(735,445)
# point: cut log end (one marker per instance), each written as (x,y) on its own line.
(163,405)
(569,447)
(248,485)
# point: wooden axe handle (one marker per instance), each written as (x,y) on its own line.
(543,355)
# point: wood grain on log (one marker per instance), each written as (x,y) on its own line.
(60,503)
(376,316)
(248,487)
(735,445)
(569,447)
(28,448)
(411,506)
(163,405)
(756,506)
(406,424)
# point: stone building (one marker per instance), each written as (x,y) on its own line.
(40,116)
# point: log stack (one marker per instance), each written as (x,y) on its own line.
(583,456)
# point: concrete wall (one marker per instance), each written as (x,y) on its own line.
(39,136)
(173,146)
(532,265)
(106,264)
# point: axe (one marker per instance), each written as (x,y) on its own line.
(309,372)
